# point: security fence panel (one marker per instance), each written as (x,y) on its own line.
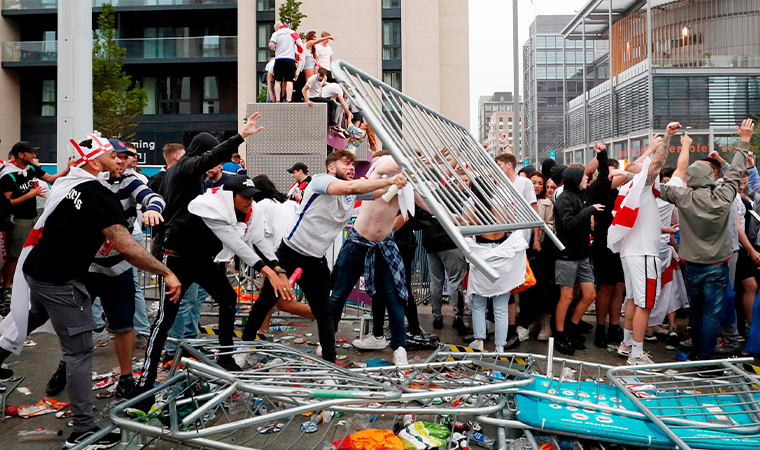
(460,182)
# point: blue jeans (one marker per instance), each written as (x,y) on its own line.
(706,285)
(186,324)
(140,322)
(500,314)
(346,272)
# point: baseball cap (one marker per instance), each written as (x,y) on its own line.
(299,166)
(120,147)
(23,146)
(241,184)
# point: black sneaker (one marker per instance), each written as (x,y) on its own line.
(57,383)
(584,327)
(512,342)
(600,337)
(126,387)
(5,374)
(438,323)
(614,334)
(108,441)
(228,364)
(460,326)
(562,344)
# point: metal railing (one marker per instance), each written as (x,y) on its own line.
(712,61)
(143,48)
(15,5)
(443,162)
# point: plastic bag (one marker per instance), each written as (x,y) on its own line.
(530,280)
(44,406)
(424,436)
(370,440)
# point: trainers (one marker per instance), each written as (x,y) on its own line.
(523,334)
(399,357)
(228,364)
(5,374)
(614,334)
(499,349)
(624,349)
(477,344)
(546,329)
(57,382)
(600,337)
(460,326)
(100,338)
(660,329)
(141,341)
(370,342)
(688,343)
(650,336)
(126,387)
(438,323)
(109,440)
(562,344)
(641,360)
(725,347)
(512,342)
(672,333)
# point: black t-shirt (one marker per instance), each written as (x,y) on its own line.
(208,184)
(73,234)
(18,185)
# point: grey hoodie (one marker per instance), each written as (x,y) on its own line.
(704,210)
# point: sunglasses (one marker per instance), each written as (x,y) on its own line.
(132,154)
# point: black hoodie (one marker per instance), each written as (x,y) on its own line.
(184,180)
(573,209)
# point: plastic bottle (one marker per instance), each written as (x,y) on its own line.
(296,275)
(481,440)
(282,328)
(40,434)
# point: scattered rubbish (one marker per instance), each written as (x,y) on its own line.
(671,372)
(107,394)
(423,435)
(2,388)
(308,334)
(30,343)
(313,344)
(63,414)
(376,362)
(341,357)
(104,383)
(15,379)
(370,439)
(346,345)
(282,328)
(96,376)
(40,434)
(11,411)
(341,340)
(285,338)
(271,428)
(24,390)
(44,406)
(669,347)
(357,330)
(682,356)
(299,340)
(309,427)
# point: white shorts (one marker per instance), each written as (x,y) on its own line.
(642,279)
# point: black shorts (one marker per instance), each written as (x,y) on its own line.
(745,268)
(284,69)
(607,266)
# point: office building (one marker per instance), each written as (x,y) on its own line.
(503,122)
(487,106)
(692,61)
(552,74)
(201,60)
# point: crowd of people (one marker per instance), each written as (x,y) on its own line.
(640,242)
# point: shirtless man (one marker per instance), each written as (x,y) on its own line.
(370,250)
(326,208)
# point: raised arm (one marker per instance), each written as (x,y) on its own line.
(223,152)
(658,160)
(683,157)
(738,166)
(356,187)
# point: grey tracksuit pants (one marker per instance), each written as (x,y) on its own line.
(443,263)
(69,309)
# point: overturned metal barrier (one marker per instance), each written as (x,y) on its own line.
(443,162)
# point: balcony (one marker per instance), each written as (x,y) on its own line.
(712,61)
(17,7)
(139,51)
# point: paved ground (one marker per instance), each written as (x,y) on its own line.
(38,363)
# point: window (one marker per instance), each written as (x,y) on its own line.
(210,96)
(48,98)
(541,73)
(263,33)
(540,41)
(210,46)
(501,119)
(392,78)
(149,84)
(488,107)
(391,39)
(510,126)
(265,5)
(49,52)
(501,126)
(174,95)
(510,134)
(509,119)
(541,57)
(391,4)
(550,42)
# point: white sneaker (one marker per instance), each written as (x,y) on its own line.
(624,349)
(499,349)
(319,350)
(546,329)
(370,342)
(523,334)
(100,339)
(399,357)
(641,360)
(477,344)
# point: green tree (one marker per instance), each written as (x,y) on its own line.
(290,14)
(754,142)
(262,97)
(116,100)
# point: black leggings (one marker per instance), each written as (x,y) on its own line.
(210,276)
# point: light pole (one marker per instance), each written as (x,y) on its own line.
(516,97)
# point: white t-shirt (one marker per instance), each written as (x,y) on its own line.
(319,218)
(279,219)
(286,46)
(666,211)
(737,208)
(270,67)
(324,52)
(315,86)
(524,187)
(330,90)
(644,238)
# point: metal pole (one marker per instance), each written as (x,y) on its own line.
(612,81)
(649,68)
(585,97)
(74,99)
(516,64)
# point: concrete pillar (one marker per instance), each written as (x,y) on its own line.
(10,93)
(248,84)
(74,102)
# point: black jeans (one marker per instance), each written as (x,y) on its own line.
(315,284)
(210,276)
(378,305)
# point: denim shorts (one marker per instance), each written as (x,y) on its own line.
(567,272)
(117,296)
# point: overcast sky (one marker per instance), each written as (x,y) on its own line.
(491,29)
